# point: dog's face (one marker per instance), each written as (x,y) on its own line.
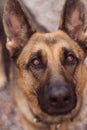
(51,66)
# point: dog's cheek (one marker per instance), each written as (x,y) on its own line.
(29,80)
(36,74)
(81,75)
(27,85)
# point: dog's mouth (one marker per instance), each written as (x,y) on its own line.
(42,116)
(53,116)
(37,119)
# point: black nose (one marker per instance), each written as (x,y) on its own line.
(57,99)
(60,97)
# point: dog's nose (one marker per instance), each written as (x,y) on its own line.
(57,99)
(60,97)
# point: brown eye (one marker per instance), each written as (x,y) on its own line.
(70,59)
(36,62)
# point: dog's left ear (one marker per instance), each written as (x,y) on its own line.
(17,25)
(74,22)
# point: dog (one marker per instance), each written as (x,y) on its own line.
(51,68)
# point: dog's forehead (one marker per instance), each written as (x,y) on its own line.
(49,44)
(57,40)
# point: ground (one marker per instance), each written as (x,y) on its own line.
(9,119)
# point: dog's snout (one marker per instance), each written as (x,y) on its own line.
(59,97)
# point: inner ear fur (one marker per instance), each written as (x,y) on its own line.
(74,21)
(17,25)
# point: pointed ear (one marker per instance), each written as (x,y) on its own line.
(74,21)
(18,27)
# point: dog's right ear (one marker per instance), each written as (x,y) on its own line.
(18,27)
(74,21)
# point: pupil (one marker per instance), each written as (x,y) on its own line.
(70,59)
(36,62)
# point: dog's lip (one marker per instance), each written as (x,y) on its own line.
(53,120)
(57,124)
(37,119)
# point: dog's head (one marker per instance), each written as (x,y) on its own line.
(51,66)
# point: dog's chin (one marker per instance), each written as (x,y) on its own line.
(58,119)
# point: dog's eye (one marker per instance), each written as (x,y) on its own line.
(70,59)
(36,62)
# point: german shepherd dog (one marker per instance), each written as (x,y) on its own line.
(51,69)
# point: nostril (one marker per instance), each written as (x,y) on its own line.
(59,100)
(53,100)
(66,100)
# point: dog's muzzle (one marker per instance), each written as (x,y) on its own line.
(57,99)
